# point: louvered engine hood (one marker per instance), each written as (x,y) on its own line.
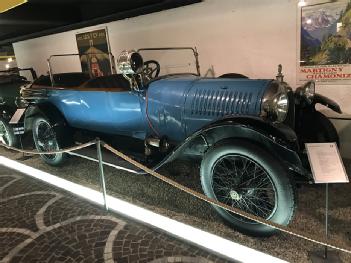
(180,106)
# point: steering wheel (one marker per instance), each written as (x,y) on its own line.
(151,69)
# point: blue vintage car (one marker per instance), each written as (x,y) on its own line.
(248,134)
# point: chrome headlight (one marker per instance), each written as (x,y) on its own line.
(280,106)
(130,62)
(275,102)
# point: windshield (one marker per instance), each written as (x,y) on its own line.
(173,60)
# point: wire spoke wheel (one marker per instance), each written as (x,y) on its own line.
(245,176)
(4,133)
(242,183)
(46,140)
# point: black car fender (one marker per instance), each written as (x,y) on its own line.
(46,110)
(6,112)
(318,98)
(278,139)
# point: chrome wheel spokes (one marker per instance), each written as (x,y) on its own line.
(46,139)
(240,182)
(4,133)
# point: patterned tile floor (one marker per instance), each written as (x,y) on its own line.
(39,223)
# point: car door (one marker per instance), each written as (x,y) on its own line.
(110,108)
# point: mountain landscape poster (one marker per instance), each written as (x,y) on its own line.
(325,43)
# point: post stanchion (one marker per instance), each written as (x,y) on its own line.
(325,256)
(101,169)
(24,156)
(326,218)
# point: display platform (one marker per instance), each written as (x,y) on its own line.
(152,194)
(47,224)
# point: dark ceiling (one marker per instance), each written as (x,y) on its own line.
(42,17)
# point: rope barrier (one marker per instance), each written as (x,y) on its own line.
(75,148)
(284,229)
(236,211)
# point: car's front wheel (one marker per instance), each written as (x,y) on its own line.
(245,176)
(47,139)
(6,134)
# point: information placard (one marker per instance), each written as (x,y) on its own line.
(326,163)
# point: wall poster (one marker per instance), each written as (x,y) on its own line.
(325,43)
(94,52)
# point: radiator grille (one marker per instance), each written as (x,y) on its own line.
(29,94)
(214,102)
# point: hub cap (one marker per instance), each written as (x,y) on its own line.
(234,195)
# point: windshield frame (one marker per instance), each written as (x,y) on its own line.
(194,50)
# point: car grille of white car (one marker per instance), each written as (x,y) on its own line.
(29,94)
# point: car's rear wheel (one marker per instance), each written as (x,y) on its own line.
(6,134)
(48,138)
(245,176)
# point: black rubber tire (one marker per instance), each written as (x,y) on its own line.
(11,137)
(317,128)
(58,158)
(285,200)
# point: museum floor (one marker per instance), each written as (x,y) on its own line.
(148,192)
(40,223)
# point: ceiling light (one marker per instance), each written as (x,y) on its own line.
(309,21)
(301,3)
(6,5)
(9,59)
(7,66)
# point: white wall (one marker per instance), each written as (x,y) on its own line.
(246,36)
